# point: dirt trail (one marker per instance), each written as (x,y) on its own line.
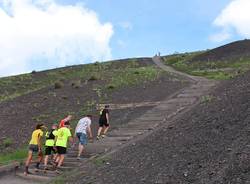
(136,129)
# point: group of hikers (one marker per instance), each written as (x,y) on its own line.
(59,135)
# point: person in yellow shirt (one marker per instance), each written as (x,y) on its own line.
(50,145)
(63,135)
(35,146)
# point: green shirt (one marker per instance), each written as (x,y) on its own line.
(63,135)
(51,142)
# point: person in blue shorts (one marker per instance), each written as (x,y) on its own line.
(83,127)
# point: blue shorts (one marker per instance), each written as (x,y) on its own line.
(82,138)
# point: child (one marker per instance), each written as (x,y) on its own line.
(35,146)
(50,145)
(63,135)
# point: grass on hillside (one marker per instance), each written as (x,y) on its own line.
(128,73)
(18,155)
(218,70)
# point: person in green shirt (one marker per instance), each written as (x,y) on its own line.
(63,135)
(50,145)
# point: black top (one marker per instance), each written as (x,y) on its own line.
(103,113)
(50,135)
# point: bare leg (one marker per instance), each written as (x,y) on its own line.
(28,161)
(106,130)
(46,161)
(99,131)
(80,150)
(61,160)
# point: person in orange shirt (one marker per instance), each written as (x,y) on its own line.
(35,146)
(63,121)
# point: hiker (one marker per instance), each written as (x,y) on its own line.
(35,146)
(63,135)
(103,122)
(63,121)
(83,127)
(50,145)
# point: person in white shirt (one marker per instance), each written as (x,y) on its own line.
(83,127)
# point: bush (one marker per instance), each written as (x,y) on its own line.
(58,85)
(111,86)
(33,72)
(7,142)
(93,78)
(76,84)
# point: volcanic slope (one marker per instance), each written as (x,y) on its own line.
(32,98)
(230,52)
(209,144)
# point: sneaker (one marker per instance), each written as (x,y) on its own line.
(98,137)
(78,158)
(103,136)
(26,173)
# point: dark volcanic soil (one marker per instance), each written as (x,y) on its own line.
(19,116)
(229,52)
(210,144)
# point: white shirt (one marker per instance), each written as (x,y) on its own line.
(83,125)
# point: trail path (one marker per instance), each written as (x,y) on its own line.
(162,112)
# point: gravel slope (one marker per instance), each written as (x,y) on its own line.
(210,144)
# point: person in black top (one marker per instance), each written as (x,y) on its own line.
(103,122)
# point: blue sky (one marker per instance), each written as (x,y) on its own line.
(56,33)
(163,25)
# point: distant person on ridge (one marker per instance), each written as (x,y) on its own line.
(63,121)
(103,122)
(63,135)
(35,146)
(83,127)
(50,145)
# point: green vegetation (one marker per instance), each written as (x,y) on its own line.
(207,99)
(17,155)
(132,76)
(101,161)
(218,70)
(7,142)
(119,74)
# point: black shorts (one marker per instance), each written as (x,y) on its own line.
(49,150)
(103,123)
(61,150)
(33,148)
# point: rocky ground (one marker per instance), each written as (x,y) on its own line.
(210,144)
(20,115)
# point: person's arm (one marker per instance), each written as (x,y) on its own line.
(71,139)
(39,143)
(76,128)
(90,132)
(107,117)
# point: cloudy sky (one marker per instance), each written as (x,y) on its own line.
(42,34)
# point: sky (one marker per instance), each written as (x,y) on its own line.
(43,34)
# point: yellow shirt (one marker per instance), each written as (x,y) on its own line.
(51,142)
(35,135)
(63,135)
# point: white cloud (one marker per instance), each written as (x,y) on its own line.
(126,25)
(38,34)
(234,18)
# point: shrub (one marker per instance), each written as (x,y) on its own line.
(33,72)
(93,78)
(7,142)
(111,86)
(58,85)
(76,84)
